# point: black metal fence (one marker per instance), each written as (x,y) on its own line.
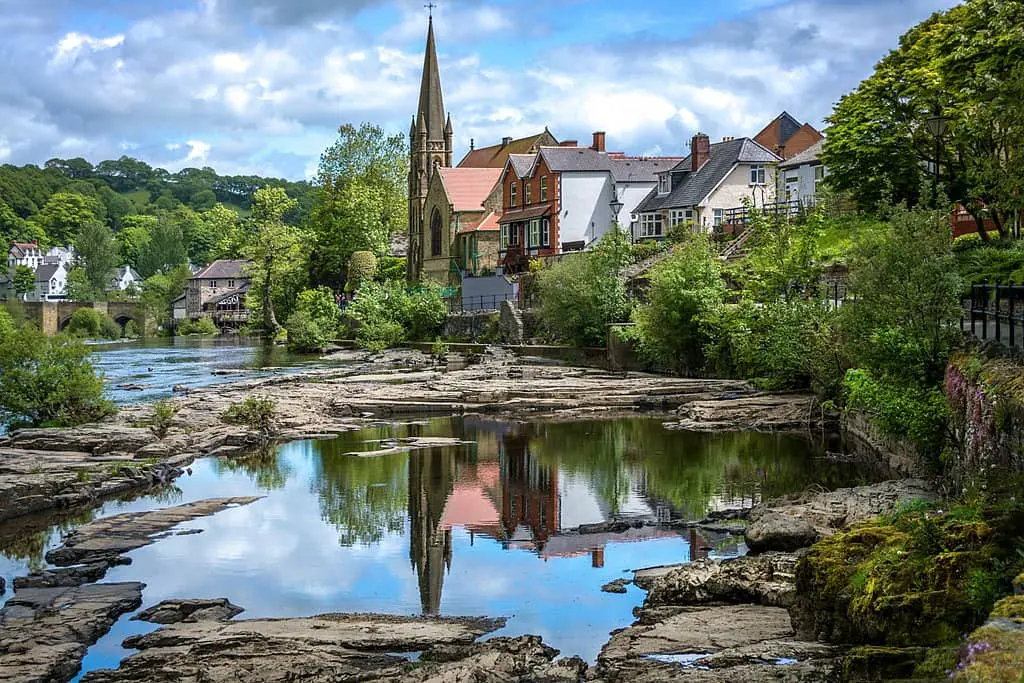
(995,312)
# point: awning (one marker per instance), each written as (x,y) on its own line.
(525,214)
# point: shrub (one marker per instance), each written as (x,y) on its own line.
(386,314)
(1000,262)
(256,413)
(131,330)
(685,290)
(6,324)
(163,418)
(918,414)
(315,321)
(201,327)
(581,296)
(48,381)
(362,266)
(439,349)
(641,251)
(88,323)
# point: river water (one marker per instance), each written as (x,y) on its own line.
(486,528)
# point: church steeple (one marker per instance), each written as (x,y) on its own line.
(431,99)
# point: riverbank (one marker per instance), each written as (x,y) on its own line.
(44,469)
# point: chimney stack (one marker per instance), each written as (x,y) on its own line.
(505,142)
(700,151)
(598,145)
(569,143)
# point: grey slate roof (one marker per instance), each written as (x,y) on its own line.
(811,155)
(522,164)
(788,126)
(641,170)
(219,270)
(46,271)
(568,159)
(694,187)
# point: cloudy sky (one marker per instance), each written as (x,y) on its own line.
(260,86)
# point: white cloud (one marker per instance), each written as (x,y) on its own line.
(74,44)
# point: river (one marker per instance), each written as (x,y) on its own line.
(488,528)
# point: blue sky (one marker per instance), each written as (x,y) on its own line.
(260,86)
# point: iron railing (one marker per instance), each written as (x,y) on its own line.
(995,312)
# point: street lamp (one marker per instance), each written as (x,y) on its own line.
(616,207)
(937,125)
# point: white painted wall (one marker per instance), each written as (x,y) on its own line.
(804,189)
(734,189)
(586,206)
(631,194)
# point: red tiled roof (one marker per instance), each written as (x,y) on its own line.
(26,245)
(488,222)
(468,187)
(496,156)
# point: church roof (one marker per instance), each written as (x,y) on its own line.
(431,106)
(468,187)
(496,156)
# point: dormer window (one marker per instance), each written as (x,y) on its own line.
(757,174)
(664,183)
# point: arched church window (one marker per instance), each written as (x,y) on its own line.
(435,233)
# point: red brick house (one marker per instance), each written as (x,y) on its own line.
(787,137)
(530,211)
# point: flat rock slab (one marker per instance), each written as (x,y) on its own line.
(407,445)
(734,643)
(106,539)
(45,632)
(762,412)
(175,611)
(330,647)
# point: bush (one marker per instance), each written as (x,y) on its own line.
(439,349)
(88,323)
(163,418)
(6,324)
(362,266)
(131,330)
(641,251)
(257,413)
(918,414)
(48,381)
(315,321)
(582,295)
(686,289)
(386,315)
(1000,262)
(201,327)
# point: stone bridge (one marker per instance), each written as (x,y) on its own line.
(53,316)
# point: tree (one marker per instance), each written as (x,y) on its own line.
(65,214)
(79,288)
(24,281)
(271,249)
(165,249)
(361,198)
(160,290)
(134,237)
(97,254)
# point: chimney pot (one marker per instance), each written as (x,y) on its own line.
(700,151)
(472,144)
(599,140)
(505,142)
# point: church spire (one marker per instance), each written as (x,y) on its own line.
(431,101)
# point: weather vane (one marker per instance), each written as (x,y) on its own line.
(430,8)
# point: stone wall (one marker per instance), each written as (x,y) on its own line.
(476,326)
(899,455)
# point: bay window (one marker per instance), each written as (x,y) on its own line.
(650,225)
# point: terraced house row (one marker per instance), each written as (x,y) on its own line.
(538,198)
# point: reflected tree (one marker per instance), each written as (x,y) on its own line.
(263,465)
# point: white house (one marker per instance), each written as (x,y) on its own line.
(62,255)
(125,278)
(25,254)
(710,187)
(51,283)
(802,175)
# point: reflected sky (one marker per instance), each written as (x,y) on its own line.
(486,528)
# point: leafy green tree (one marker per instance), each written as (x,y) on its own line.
(362,266)
(314,322)
(165,249)
(97,254)
(159,292)
(24,281)
(218,225)
(581,296)
(361,198)
(273,250)
(79,287)
(684,290)
(134,237)
(48,381)
(91,324)
(65,214)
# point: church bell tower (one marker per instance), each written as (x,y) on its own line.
(430,147)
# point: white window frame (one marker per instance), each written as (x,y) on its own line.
(819,175)
(512,191)
(533,235)
(758,174)
(651,225)
(543,188)
(527,199)
(719,217)
(664,184)
(678,216)
(545,232)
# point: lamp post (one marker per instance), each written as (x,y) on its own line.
(616,207)
(937,125)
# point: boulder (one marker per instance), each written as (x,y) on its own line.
(779,532)
(767,579)
(175,611)
(616,586)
